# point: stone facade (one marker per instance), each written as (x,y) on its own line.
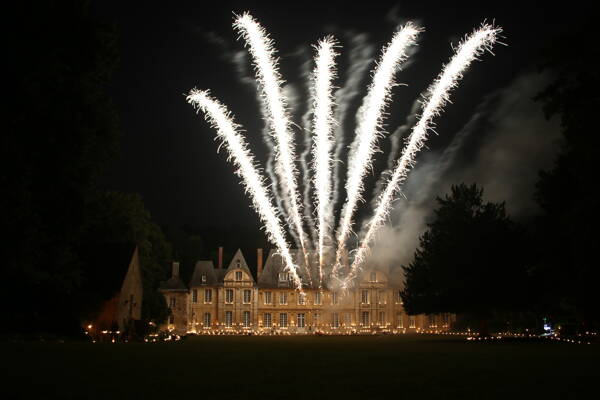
(222,301)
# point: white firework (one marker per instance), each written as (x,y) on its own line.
(368,130)
(228,131)
(323,76)
(369,127)
(263,53)
(437,96)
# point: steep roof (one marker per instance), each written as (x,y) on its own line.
(220,273)
(105,266)
(174,283)
(275,265)
(204,268)
(239,262)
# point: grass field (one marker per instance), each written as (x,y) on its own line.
(351,367)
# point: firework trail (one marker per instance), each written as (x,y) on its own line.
(367,132)
(239,60)
(437,96)
(361,58)
(304,157)
(322,125)
(395,139)
(227,130)
(261,50)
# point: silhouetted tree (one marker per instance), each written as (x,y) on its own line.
(568,228)
(469,260)
(61,129)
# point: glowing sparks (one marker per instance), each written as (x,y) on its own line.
(263,54)
(369,127)
(228,131)
(436,98)
(323,118)
(368,130)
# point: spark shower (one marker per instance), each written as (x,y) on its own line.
(332,270)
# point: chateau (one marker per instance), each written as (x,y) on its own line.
(231,300)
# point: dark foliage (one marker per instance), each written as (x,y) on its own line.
(61,131)
(567,234)
(62,128)
(470,259)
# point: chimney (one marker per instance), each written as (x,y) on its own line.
(220,259)
(259,262)
(175,270)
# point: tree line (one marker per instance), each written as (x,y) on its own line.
(62,130)
(475,260)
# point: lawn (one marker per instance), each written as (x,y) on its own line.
(356,367)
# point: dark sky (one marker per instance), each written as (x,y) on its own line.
(168,153)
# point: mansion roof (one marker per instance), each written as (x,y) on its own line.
(274,274)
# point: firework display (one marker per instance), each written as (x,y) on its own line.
(331,270)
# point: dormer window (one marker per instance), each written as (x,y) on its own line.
(283,277)
(237,263)
(373,277)
(238,275)
(203,278)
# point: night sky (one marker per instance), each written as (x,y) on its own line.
(168,153)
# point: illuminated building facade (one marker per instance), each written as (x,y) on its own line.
(231,300)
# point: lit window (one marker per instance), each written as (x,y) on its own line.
(334,298)
(348,319)
(431,321)
(283,320)
(206,319)
(194,296)
(228,318)
(267,320)
(301,299)
(400,320)
(373,277)
(381,317)
(207,296)
(335,320)
(229,296)
(399,296)
(412,321)
(316,319)
(364,297)
(246,318)
(282,298)
(203,278)
(268,298)
(318,298)
(247,296)
(381,297)
(301,321)
(172,302)
(364,318)
(238,275)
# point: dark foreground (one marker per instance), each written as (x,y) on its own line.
(301,367)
